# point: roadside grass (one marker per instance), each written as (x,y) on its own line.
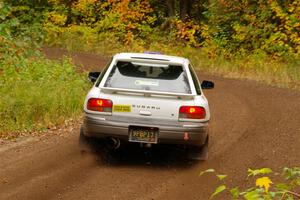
(259,67)
(37,93)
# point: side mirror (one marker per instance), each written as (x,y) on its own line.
(207,85)
(93,76)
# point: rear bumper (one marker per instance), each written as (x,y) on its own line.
(189,133)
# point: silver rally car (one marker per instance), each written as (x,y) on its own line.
(149,99)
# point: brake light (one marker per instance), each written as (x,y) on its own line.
(192,112)
(100,105)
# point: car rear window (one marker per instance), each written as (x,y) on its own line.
(148,76)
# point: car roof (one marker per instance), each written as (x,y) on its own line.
(152,57)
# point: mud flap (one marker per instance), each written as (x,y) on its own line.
(84,142)
(198,153)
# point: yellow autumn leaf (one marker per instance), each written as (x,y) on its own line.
(58,19)
(264,182)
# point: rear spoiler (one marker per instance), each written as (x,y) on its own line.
(147,92)
(149,60)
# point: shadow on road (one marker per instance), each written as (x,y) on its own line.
(134,155)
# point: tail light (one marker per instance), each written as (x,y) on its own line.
(100,105)
(192,112)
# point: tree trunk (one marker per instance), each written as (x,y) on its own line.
(185,8)
(170,7)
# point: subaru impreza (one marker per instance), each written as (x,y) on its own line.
(149,99)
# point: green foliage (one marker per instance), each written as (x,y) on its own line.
(38,94)
(247,26)
(234,192)
(261,171)
(218,190)
(226,28)
(125,20)
(207,171)
(264,188)
(21,22)
(35,93)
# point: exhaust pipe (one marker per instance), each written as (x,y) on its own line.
(113,143)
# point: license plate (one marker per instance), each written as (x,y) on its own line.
(122,108)
(143,134)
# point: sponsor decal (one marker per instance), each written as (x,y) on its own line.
(121,108)
(147,83)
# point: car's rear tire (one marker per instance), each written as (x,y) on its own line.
(199,153)
(99,147)
(85,143)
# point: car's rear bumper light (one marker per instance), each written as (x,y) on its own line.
(192,112)
(100,105)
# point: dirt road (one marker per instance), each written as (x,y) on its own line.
(253,125)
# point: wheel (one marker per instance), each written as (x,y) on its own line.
(84,141)
(199,153)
